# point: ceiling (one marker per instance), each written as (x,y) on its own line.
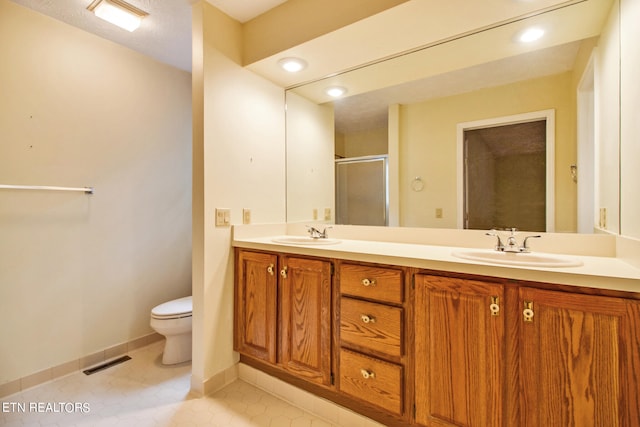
(164,35)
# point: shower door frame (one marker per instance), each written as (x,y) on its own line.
(549,117)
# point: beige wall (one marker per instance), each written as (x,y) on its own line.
(310,159)
(364,143)
(607,118)
(238,162)
(80,273)
(297,21)
(428,146)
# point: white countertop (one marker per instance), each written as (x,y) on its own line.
(600,272)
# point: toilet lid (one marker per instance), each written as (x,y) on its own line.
(174,308)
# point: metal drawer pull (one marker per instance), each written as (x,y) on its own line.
(368,282)
(270,269)
(527,313)
(367,374)
(494,307)
(367,319)
(283,272)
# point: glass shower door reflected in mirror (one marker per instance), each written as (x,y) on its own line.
(362,196)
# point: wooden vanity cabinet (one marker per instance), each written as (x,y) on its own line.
(283,312)
(489,354)
(407,346)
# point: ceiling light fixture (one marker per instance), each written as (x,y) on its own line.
(531,34)
(118,13)
(292,65)
(336,91)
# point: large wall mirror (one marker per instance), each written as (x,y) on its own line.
(411,110)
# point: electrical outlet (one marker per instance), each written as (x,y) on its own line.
(603,218)
(315,213)
(223,217)
(246,216)
(438,212)
(327,214)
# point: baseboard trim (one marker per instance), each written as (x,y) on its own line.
(214,383)
(54,372)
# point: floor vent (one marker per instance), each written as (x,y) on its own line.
(106,365)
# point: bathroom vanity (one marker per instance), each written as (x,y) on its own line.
(409,334)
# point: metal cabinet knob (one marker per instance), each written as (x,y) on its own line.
(367,319)
(367,374)
(368,282)
(494,307)
(527,313)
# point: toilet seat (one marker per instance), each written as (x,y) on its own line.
(176,309)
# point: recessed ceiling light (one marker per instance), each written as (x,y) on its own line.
(336,91)
(118,12)
(531,34)
(292,65)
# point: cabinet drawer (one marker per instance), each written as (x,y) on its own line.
(374,326)
(371,380)
(378,283)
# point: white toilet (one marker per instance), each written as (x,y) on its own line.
(173,320)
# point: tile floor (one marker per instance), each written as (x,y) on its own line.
(141,392)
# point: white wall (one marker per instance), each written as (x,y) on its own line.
(238,161)
(630,118)
(80,273)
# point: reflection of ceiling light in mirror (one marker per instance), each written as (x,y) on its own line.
(531,34)
(118,13)
(336,91)
(292,65)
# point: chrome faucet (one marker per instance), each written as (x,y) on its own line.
(314,233)
(512,243)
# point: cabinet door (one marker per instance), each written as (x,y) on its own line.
(579,363)
(256,305)
(459,352)
(305,295)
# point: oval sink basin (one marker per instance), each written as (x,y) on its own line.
(303,240)
(518,259)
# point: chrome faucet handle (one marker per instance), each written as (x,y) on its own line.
(314,233)
(499,246)
(524,247)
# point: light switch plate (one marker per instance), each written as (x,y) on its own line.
(223,217)
(327,214)
(246,216)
